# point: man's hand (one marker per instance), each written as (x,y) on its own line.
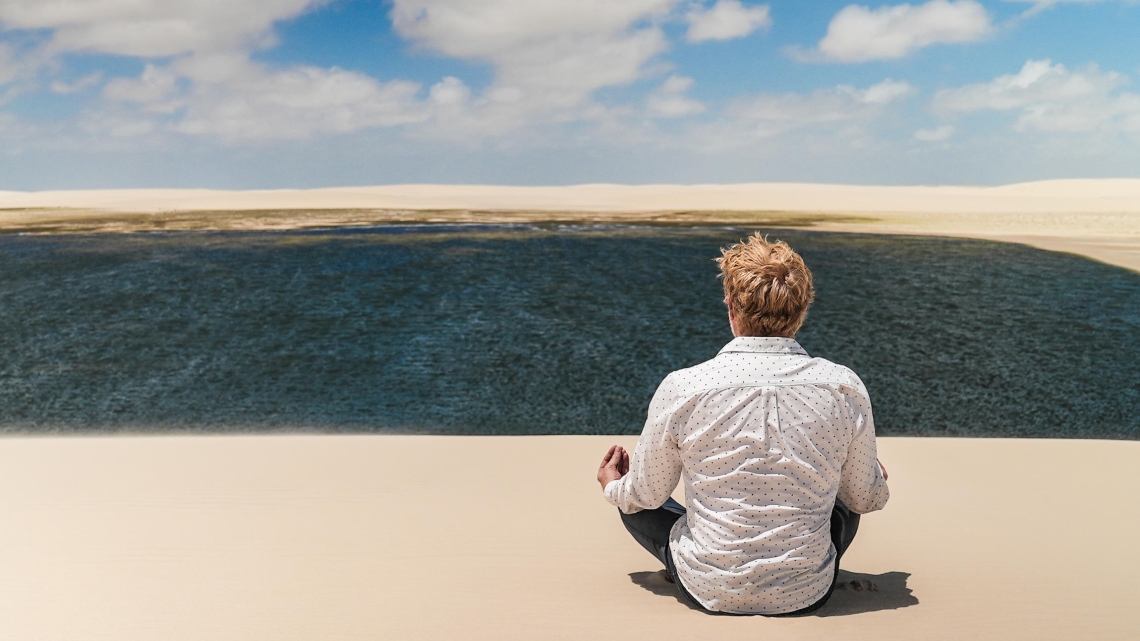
(883,468)
(614,465)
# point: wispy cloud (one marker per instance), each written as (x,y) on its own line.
(1049,97)
(768,115)
(861,34)
(942,132)
(670,99)
(726,20)
(84,83)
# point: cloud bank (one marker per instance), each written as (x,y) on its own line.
(593,79)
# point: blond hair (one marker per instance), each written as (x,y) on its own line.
(768,285)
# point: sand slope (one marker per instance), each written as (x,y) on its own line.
(405,537)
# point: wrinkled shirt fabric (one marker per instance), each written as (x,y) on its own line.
(765,439)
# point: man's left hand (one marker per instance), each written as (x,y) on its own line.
(614,465)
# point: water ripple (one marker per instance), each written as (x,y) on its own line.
(532,329)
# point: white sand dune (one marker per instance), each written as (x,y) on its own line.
(417,537)
(1055,196)
(1095,218)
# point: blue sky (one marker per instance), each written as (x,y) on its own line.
(304,93)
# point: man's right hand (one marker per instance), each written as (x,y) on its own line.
(615,464)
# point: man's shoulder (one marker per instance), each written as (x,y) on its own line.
(692,376)
(727,370)
(830,371)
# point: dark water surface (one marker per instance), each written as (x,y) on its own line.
(528,330)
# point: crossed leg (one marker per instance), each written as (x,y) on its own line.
(651,529)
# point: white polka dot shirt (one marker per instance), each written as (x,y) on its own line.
(765,439)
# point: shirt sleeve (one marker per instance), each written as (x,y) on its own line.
(655,465)
(862,487)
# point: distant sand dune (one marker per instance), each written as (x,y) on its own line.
(1095,218)
(1055,196)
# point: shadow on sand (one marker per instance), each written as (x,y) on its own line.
(855,592)
(656,583)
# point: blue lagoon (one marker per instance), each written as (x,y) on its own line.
(467,329)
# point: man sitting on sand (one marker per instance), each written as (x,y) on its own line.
(776,449)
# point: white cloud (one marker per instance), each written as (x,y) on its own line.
(859,34)
(1039,5)
(8,65)
(886,91)
(117,125)
(8,123)
(936,134)
(235,99)
(1038,81)
(151,28)
(210,86)
(86,82)
(549,57)
(670,101)
(154,90)
(16,134)
(450,91)
(18,65)
(494,29)
(550,53)
(771,114)
(725,20)
(299,102)
(1050,97)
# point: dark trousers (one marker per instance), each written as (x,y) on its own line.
(651,529)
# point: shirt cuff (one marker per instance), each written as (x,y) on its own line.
(611,492)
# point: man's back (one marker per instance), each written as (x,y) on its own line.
(765,439)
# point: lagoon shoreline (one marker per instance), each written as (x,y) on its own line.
(1099,219)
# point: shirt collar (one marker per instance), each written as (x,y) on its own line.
(764,345)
